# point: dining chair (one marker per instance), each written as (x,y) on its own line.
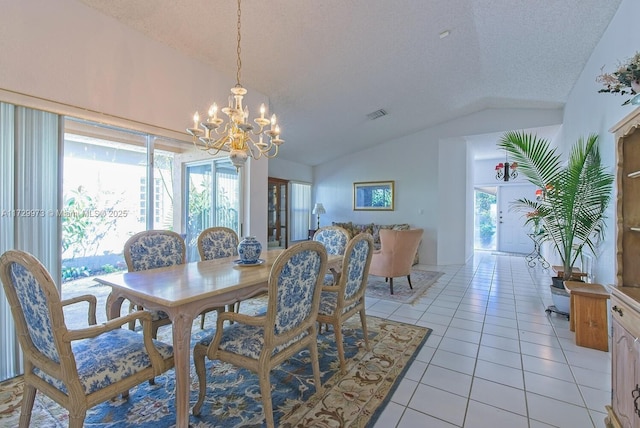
(334,239)
(340,302)
(152,249)
(396,254)
(216,243)
(77,368)
(259,343)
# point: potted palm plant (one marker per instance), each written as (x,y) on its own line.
(573,196)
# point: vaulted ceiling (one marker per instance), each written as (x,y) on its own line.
(326,64)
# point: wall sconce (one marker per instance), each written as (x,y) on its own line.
(317,210)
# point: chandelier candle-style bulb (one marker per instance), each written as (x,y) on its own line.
(236,134)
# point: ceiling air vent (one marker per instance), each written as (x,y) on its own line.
(377,114)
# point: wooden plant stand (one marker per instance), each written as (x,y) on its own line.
(588,319)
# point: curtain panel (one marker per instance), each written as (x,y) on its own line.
(30,179)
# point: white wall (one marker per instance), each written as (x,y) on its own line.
(288,170)
(452,215)
(427,185)
(588,111)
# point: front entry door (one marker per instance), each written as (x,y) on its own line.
(512,234)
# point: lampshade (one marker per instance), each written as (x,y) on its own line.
(318,209)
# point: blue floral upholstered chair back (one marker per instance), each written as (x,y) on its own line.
(217,242)
(340,302)
(259,343)
(334,239)
(152,249)
(356,265)
(62,363)
(293,296)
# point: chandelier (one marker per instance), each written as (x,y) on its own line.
(506,170)
(236,135)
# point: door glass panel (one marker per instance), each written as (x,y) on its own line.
(198,191)
(485,220)
(212,190)
(163,201)
(227,196)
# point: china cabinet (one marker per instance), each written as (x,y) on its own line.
(277,213)
(624,410)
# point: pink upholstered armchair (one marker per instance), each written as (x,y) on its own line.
(395,256)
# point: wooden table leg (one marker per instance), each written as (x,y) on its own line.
(181,355)
(114,306)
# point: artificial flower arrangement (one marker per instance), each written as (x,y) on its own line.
(625,80)
(534,216)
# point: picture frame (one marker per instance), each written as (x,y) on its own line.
(373,195)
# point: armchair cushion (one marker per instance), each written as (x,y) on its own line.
(329,301)
(108,358)
(246,340)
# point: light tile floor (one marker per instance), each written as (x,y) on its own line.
(495,358)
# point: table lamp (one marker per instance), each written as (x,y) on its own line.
(317,210)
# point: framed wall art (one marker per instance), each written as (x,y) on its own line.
(373,195)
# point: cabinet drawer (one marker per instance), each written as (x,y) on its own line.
(628,317)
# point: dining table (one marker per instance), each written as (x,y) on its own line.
(183,292)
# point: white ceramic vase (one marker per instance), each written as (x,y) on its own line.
(249,250)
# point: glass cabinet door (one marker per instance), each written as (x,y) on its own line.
(277,213)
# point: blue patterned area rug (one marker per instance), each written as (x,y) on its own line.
(233,395)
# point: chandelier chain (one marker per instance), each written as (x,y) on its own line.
(239,61)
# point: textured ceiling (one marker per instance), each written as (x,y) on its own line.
(326,64)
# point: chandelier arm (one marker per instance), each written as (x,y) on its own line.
(212,150)
(252,152)
(259,132)
(275,153)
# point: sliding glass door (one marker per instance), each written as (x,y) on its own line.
(212,194)
(109,193)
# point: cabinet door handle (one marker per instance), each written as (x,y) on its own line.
(615,308)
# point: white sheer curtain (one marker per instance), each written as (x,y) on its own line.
(300,211)
(30,142)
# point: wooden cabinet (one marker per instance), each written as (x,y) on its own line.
(277,213)
(625,297)
(625,369)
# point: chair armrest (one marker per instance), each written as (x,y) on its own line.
(144,317)
(91,299)
(241,318)
(230,316)
(87,333)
